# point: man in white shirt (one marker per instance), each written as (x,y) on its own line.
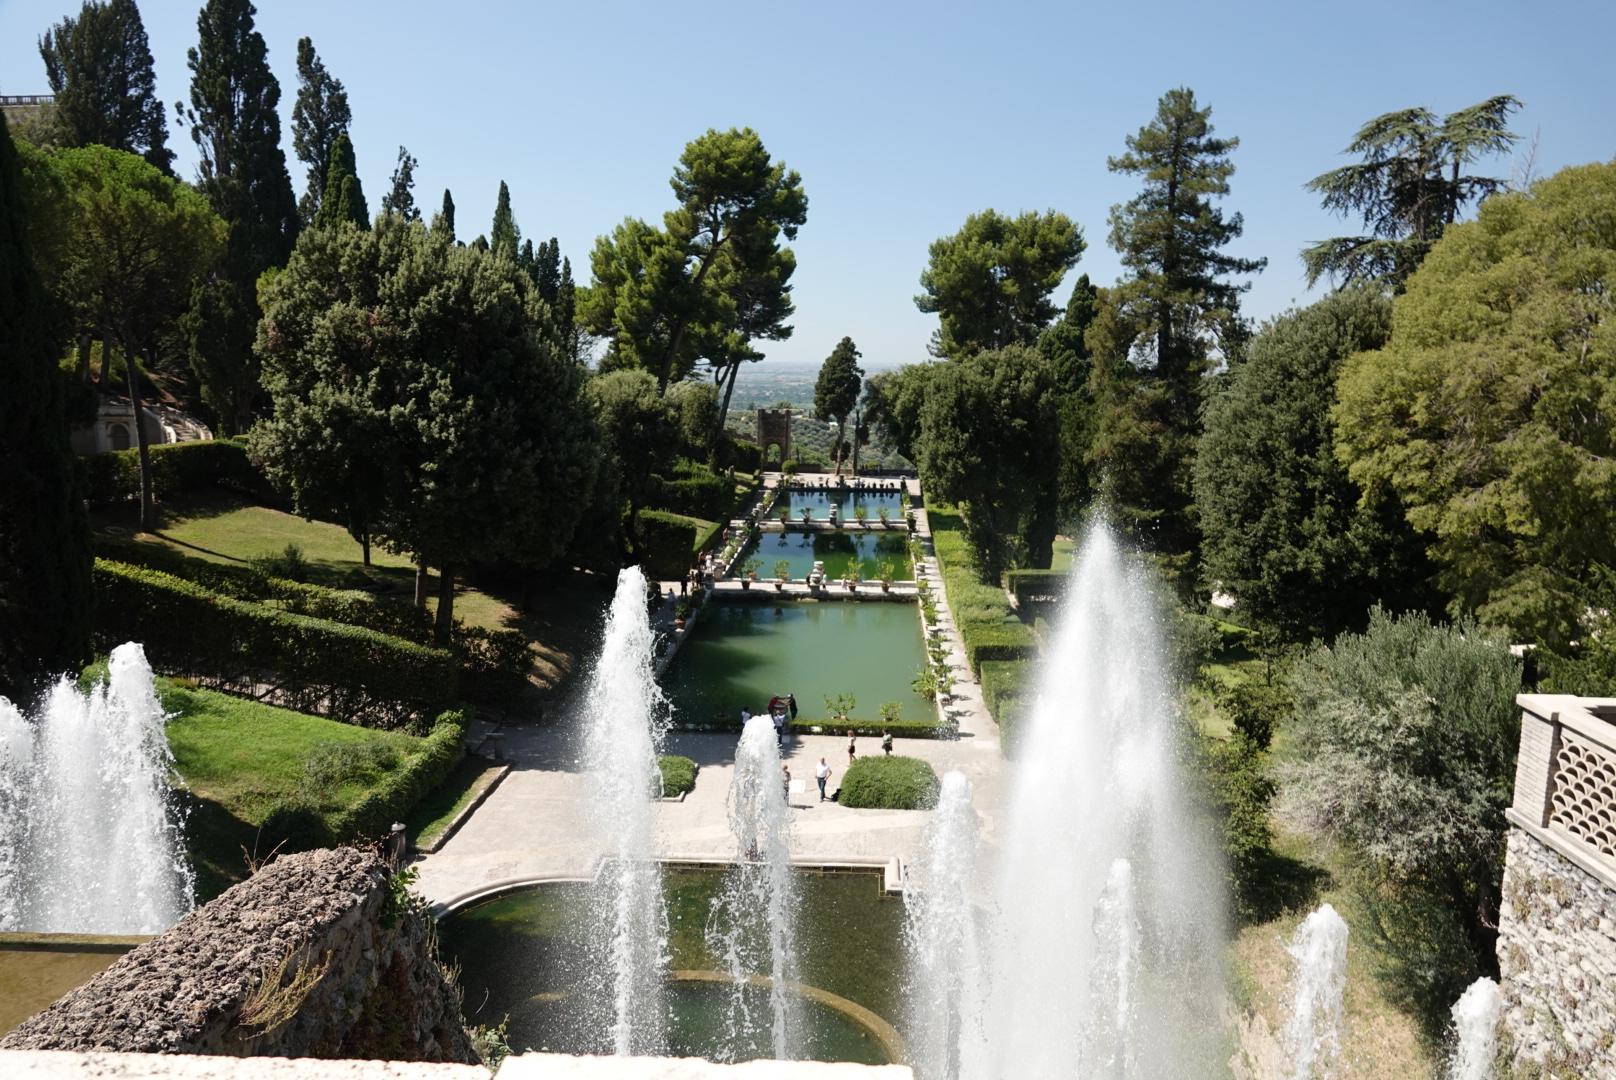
(822,774)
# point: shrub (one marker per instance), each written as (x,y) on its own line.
(176,467)
(889,783)
(678,775)
(373,816)
(1036,586)
(289,565)
(312,665)
(330,765)
(697,494)
(669,540)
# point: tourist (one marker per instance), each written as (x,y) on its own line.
(852,747)
(822,774)
(886,743)
(791,705)
(785,781)
(746,714)
(779,727)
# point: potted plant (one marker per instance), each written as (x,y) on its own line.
(852,579)
(860,513)
(807,514)
(785,515)
(886,577)
(884,512)
(839,706)
(749,571)
(782,570)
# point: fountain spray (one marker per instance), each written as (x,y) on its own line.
(1312,1034)
(91,839)
(624,729)
(753,923)
(1475,1024)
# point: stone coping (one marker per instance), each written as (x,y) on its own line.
(1578,855)
(465,812)
(71,1065)
(73,943)
(891,867)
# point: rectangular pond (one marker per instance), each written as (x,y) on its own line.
(819,501)
(742,654)
(871,552)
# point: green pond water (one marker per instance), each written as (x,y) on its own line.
(870,552)
(522,956)
(742,654)
(818,503)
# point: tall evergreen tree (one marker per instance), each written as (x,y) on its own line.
(44,531)
(445,219)
(319,116)
(344,198)
(236,127)
(1071,361)
(504,236)
(99,66)
(1165,320)
(401,199)
(836,392)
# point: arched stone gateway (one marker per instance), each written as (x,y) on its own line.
(774,430)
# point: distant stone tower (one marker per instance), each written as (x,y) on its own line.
(774,429)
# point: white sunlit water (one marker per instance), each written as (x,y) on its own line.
(90,836)
(945,978)
(623,736)
(1311,1036)
(752,926)
(1106,947)
(1475,1026)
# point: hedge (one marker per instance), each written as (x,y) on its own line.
(707,539)
(669,540)
(295,825)
(494,664)
(189,466)
(1036,586)
(678,775)
(311,665)
(705,496)
(988,628)
(1007,691)
(889,783)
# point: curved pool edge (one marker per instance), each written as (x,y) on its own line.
(897,1050)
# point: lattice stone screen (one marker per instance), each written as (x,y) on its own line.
(1583,797)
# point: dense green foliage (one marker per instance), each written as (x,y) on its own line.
(981,611)
(1161,325)
(889,783)
(837,390)
(99,67)
(1407,188)
(1284,529)
(344,196)
(1402,751)
(669,543)
(114,477)
(420,396)
(990,283)
(319,116)
(678,775)
(44,534)
(333,669)
(1489,411)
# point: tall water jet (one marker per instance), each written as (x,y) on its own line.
(753,921)
(1312,1034)
(945,980)
(1475,1025)
(624,729)
(1096,780)
(90,835)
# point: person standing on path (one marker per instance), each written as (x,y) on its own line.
(822,774)
(785,781)
(791,705)
(886,743)
(852,747)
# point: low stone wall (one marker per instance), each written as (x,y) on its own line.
(313,956)
(1557,954)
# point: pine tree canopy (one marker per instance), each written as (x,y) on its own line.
(1407,188)
(319,116)
(99,66)
(400,199)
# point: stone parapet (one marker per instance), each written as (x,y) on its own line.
(314,955)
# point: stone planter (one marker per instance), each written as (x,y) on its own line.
(779,586)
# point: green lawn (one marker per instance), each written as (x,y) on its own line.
(1062,558)
(468,780)
(236,758)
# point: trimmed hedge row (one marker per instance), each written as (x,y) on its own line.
(1007,692)
(115,476)
(1036,586)
(986,624)
(708,538)
(494,664)
(889,783)
(298,825)
(669,540)
(332,669)
(700,496)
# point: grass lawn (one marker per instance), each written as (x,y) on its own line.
(469,779)
(236,758)
(1061,559)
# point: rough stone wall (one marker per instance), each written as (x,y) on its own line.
(1557,953)
(310,957)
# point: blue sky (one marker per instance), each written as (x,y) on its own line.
(903,118)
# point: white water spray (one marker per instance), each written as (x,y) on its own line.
(946,981)
(1312,1034)
(1095,782)
(753,923)
(90,836)
(623,735)
(1475,1023)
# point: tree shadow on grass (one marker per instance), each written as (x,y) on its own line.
(1278,883)
(214,839)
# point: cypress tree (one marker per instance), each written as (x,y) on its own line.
(99,66)
(344,198)
(401,199)
(320,115)
(44,532)
(444,221)
(504,236)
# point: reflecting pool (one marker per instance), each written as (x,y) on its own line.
(523,956)
(742,654)
(870,552)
